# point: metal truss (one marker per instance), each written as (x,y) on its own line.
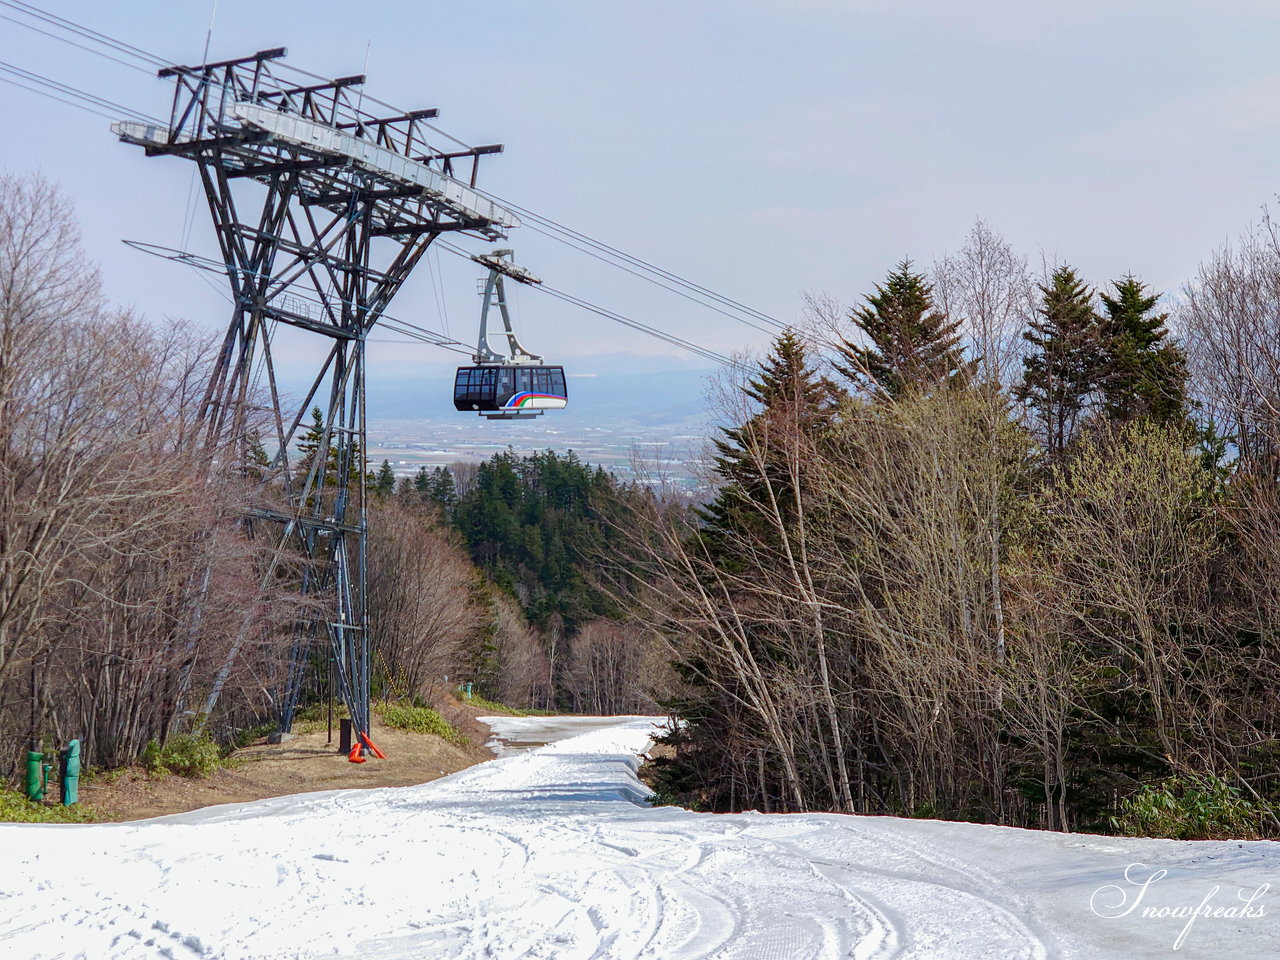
(352,201)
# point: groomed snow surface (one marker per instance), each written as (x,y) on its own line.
(552,853)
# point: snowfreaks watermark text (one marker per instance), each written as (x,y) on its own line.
(1114,901)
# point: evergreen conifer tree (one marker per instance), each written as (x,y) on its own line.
(535,524)
(785,387)
(309,444)
(739,532)
(255,456)
(310,441)
(1061,371)
(385,483)
(441,490)
(1141,374)
(912,345)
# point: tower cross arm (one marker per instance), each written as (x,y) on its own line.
(454,195)
(275,53)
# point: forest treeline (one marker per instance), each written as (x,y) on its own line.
(992,546)
(996,544)
(506,551)
(125,578)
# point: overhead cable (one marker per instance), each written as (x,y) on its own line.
(635,266)
(67,40)
(87,33)
(64,89)
(538,220)
(613,315)
(79,104)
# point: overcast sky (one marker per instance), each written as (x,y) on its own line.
(763,149)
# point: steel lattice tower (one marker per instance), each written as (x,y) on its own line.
(351,203)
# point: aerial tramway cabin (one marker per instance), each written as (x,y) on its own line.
(515,385)
(510,390)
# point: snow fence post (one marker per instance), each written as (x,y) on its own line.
(71,773)
(35,775)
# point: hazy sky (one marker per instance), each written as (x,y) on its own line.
(760,148)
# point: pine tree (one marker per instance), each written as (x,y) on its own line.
(1061,371)
(536,524)
(786,377)
(785,381)
(256,461)
(385,483)
(786,387)
(441,490)
(740,533)
(913,347)
(309,443)
(1141,374)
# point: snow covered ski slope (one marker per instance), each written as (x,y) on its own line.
(552,854)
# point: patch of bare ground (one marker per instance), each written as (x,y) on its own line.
(655,751)
(304,764)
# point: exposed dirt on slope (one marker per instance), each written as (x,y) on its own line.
(304,764)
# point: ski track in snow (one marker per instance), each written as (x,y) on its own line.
(552,853)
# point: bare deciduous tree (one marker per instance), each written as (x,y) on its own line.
(989,288)
(1229,319)
(423,599)
(111,532)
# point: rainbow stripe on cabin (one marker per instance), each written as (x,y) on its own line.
(520,399)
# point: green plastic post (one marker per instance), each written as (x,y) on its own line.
(35,775)
(71,773)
